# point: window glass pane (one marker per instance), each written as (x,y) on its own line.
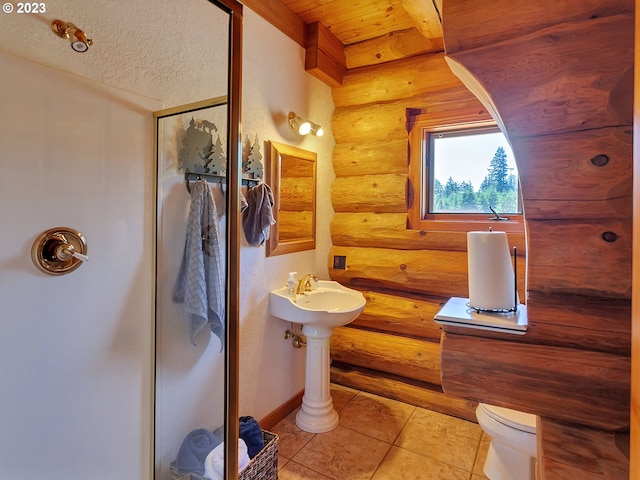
(471,170)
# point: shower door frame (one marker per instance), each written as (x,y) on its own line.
(232,247)
(234,181)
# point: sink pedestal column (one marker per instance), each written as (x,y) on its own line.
(317,414)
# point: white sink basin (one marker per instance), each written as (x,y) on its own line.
(328,304)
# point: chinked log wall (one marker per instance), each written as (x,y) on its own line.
(393,348)
(560,77)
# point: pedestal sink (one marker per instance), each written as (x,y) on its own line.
(319,311)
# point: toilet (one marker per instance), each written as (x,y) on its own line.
(513,451)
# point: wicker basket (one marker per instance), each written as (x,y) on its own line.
(264,466)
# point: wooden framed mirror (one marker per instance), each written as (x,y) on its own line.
(291,173)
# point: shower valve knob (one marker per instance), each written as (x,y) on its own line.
(81,257)
(59,250)
(65,251)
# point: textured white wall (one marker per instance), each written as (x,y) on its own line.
(79,153)
(274,83)
(75,397)
(75,350)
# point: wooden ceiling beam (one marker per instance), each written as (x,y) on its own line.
(392,46)
(281,17)
(324,58)
(426,16)
(327,58)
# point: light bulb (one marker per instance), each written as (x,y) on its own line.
(304,128)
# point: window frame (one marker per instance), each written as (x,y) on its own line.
(418,184)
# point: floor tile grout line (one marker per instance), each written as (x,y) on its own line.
(303,444)
(413,411)
(477,458)
(365,434)
(390,445)
(350,400)
(309,468)
(406,422)
(381,461)
(457,467)
(298,450)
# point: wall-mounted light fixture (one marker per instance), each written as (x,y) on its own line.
(316,130)
(79,41)
(304,127)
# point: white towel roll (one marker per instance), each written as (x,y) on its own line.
(214,463)
(491,278)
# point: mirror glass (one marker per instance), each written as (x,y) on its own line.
(292,177)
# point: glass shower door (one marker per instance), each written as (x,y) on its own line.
(196,260)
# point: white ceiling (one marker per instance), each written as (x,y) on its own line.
(173,51)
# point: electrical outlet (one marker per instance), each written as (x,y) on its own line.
(339,262)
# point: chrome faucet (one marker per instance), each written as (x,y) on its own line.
(304,285)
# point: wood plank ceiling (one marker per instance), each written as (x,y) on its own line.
(367,32)
(354,21)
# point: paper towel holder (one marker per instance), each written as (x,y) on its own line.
(515,288)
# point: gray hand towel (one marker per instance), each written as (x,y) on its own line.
(194,450)
(257,217)
(200,283)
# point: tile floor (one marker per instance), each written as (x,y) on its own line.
(382,439)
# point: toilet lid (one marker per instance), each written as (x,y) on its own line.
(512,418)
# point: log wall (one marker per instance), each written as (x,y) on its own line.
(393,348)
(560,84)
(560,78)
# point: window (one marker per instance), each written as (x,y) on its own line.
(461,175)
(471,169)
